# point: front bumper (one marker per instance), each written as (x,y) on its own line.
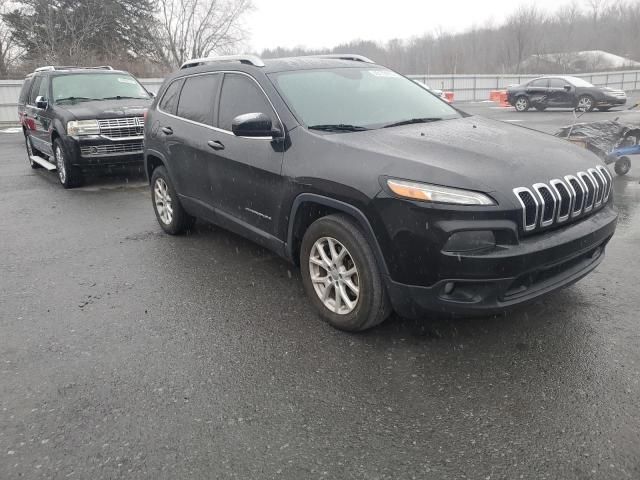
(487,283)
(99,151)
(612,101)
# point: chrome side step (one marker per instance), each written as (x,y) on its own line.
(41,161)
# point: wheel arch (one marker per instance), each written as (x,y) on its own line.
(309,207)
(153,160)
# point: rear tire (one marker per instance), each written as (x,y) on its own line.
(346,288)
(31,152)
(622,166)
(170,214)
(69,175)
(522,104)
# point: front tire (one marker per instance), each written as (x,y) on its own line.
(341,276)
(586,103)
(522,104)
(622,166)
(69,175)
(170,214)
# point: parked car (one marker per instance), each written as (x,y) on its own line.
(76,119)
(563,92)
(385,196)
(435,91)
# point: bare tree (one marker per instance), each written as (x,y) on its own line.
(9,49)
(196,28)
(523,29)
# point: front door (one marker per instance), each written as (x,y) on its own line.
(245,173)
(39,119)
(560,93)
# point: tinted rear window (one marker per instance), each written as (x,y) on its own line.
(198,98)
(169,102)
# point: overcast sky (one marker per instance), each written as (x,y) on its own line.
(326,23)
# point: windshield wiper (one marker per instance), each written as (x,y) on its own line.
(75,99)
(412,121)
(340,127)
(121,97)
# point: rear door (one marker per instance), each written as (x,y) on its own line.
(537,90)
(188,110)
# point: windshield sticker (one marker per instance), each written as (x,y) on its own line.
(383,73)
(130,81)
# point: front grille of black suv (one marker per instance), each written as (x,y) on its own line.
(560,200)
(120,128)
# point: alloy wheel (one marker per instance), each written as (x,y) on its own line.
(163,201)
(521,104)
(62,171)
(585,104)
(334,275)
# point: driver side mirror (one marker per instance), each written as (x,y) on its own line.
(41,102)
(254,125)
(567,88)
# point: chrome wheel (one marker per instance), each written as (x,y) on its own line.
(585,104)
(334,275)
(62,171)
(162,201)
(522,104)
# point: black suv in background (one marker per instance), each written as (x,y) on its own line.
(563,92)
(77,118)
(385,195)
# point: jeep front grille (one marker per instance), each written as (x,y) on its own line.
(119,128)
(554,202)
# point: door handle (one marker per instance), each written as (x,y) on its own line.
(167,130)
(216,145)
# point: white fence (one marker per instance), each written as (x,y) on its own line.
(477,87)
(464,87)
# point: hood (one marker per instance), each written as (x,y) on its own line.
(100,109)
(473,152)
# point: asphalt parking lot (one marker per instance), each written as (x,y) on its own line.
(127,353)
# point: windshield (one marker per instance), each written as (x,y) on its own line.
(363,97)
(578,82)
(98,86)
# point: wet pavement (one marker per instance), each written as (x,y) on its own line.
(127,353)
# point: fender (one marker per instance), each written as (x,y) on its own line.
(342,207)
(154,153)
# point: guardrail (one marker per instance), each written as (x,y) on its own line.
(478,87)
(464,87)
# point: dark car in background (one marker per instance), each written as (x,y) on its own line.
(563,92)
(75,119)
(384,195)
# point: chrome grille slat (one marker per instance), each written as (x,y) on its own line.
(561,199)
(122,127)
(114,149)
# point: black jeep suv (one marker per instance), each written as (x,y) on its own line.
(563,92)
(80,118)
(386,196)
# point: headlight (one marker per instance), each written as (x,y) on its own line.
(435,193)
(83,127)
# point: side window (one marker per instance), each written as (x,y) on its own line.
(198,98)
(557,83)
(241,95)
(35,88)
(43,88)
(25,91)
(169,102)
(541,82)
